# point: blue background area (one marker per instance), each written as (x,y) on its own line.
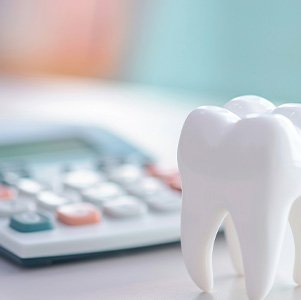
(225,48)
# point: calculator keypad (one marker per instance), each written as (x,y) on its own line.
(89,196)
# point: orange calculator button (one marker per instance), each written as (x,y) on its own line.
(174,181)
(160,172)
(7,193)
(170,177)
(155,171)
(78,214)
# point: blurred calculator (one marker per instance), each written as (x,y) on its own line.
(72,191)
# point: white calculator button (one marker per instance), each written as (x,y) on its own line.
(126,174)
(12,207)
(124,206)
(79,180)
(29,186)
(50,201)
(166,201)
(146,186)
(102,192)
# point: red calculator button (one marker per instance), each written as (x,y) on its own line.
(170,177)
(7,193)
(160,172)
(174,181)
(155,171)
(78,214)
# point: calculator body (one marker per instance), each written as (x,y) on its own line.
(35,162)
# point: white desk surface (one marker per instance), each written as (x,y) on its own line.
(150,274)
(156,273)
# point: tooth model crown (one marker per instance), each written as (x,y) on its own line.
(241,164)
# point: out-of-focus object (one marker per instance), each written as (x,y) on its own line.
(84,37)
(83,189)
(210,47)
(171,177)
(226,48)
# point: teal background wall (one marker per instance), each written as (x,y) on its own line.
(222,47)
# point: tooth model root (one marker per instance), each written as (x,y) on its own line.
(233,244)
(255,245)
(261,237)
(197,251)
(295,222)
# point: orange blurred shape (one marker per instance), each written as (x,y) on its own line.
(7,193)
(83,37)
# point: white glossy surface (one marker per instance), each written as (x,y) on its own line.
(244,161)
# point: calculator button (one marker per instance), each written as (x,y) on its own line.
(125,206)
(30,221)
(102,192)
(7,193)
(145,187)
(170,177)
(79,180)
(78,214)
(8,208)
(156,171)
(29,186)
(50,201)
(126,174)
(174,181)
(160,172)
(167,201)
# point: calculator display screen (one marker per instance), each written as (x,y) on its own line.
(38,149)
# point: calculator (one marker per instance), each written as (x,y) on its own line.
(70,191)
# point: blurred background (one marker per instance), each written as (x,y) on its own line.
(138,67)
(206,47)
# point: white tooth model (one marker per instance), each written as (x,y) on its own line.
(241,164)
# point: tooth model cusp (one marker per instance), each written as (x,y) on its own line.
(241,165)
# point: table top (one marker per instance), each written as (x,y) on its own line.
(156,273)
(152,273)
